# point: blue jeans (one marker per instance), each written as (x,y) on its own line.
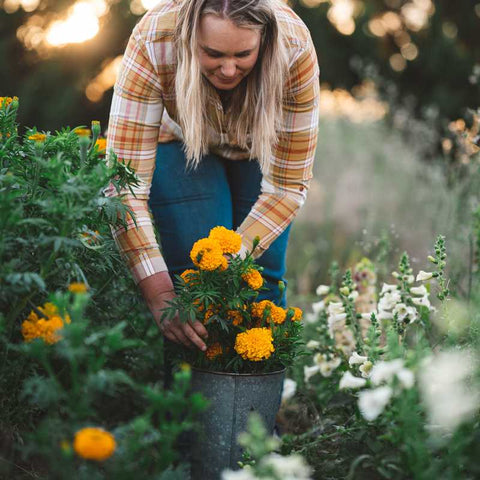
(187,204)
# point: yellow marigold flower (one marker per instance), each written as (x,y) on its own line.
(259,307)
(278,314)
(189,275)
(5,101)
(229,241)
(94,444)
(77,287)
(211,310)
(83,132)
(207,255)
(253,279)
(101,143)
(213,351)
(255,344)
(38,137)
(45,328)
(297,315)
(235,316)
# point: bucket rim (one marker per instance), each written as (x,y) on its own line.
(232,374)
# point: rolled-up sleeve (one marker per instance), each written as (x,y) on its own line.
(133,130)
(287,177)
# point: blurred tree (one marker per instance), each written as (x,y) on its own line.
(423,55)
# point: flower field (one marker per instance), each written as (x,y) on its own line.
(383,364)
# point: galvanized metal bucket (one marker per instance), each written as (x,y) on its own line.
(232,397)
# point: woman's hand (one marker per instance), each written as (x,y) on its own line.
(158,291)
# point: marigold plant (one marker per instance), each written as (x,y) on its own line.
(244,335)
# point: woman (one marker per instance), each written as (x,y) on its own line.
(216,107)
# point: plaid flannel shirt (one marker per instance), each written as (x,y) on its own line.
(143,113)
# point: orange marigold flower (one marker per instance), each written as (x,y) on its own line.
(253,279)
(278,314)
(189,275)
(38,137)
(45,328)
(83,132)
(259,307)
(94,444)
(213,351)
(207,255)
(5,101)
(235,316)
(77,287)
(211,310)
(101,143)
(297,315)
(255,344)
(229,241)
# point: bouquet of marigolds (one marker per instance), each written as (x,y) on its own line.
(244,335)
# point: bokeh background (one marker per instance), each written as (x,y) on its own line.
(400,87)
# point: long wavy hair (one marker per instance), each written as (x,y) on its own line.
(256,104)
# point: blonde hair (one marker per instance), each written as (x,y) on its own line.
(256,103)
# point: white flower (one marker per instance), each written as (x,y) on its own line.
(387,287)
(372,402)
(335,308)
(389,300)
(406,378)
(403,312)
(318,307)
(244,474)
(319,358)
(327,368)
(419,290)
(449,398)
(368,316)
(289,389)
(384,371)
(322,289)
(422,276)
(353,296)
(366,369)
(312,344)
(409,278)
(383,315)
(356,359)
(311,318)
(336,322)
(422,302)
(350,381)
(291,467)
(309,372)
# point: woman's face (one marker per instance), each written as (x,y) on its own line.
(227,53)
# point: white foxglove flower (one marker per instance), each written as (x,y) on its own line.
(368,316)
(350,381)
(328,367)
(449,397)
(389,300)
(290,467)
(319,358)
(406,378)
(335,308)
(309,372)
(383,315)
(353,296)
(322,289)
(366,369)
(244,474)
(387,287)
(384,371)
(409,278)
(419,290)
(356,359)
(405,313)
(312,344)
(373,402)
(289,389)
(422,302)
(423,276)
(318,307)
(336,322)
